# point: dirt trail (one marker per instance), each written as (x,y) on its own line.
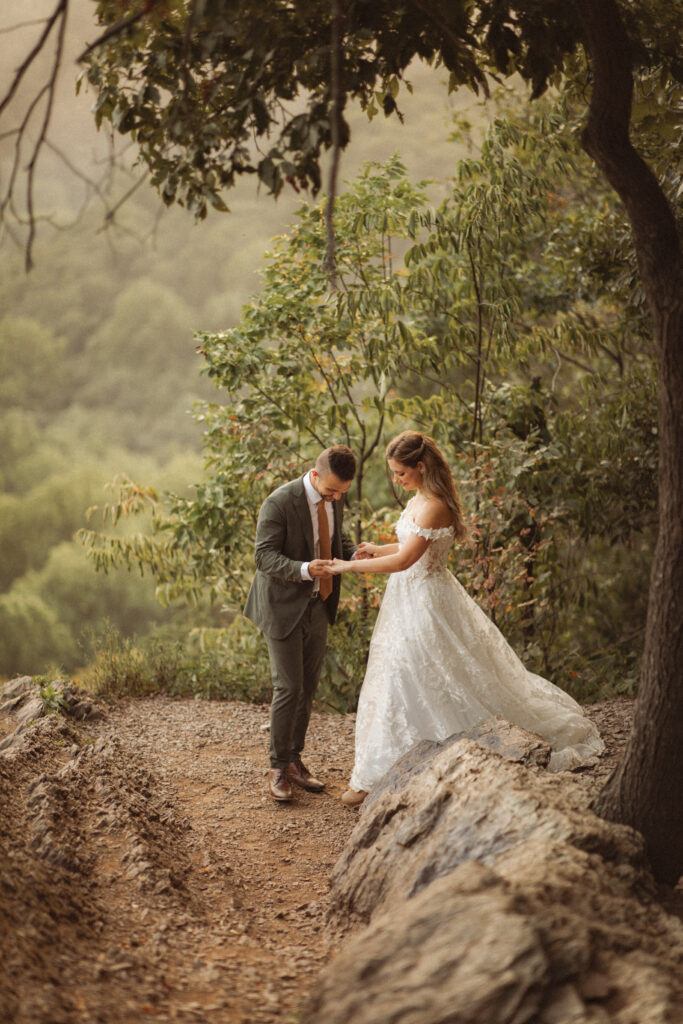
(150,877)
(146,875)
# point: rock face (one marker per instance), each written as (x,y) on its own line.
(492,895)
(495,734)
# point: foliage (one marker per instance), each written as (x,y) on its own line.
(224,664)
(53,699)
(228,663)
(454,338)
(470,278)
(26,345)
(122,666)
(114,309)
(554,527)
(214,90)
(31,635)
(297,348)
(67,583)
(99,372)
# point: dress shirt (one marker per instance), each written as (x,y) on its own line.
(313,500)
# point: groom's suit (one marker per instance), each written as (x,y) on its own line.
(293,620)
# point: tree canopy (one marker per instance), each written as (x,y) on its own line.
(211,89)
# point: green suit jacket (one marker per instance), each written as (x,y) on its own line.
(284,540)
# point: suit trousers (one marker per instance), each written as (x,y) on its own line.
(295,664)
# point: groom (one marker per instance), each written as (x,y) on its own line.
(293,599)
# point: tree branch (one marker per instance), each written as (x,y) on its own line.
(428,11)
(59,11)
(51,86)
(375,441)
(112,211)
(607,140)
(9,192)
(58,17)
(114,30)
(22,24)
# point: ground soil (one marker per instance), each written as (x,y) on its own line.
(145,874)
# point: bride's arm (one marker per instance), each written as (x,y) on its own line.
(401,558)
(368,549)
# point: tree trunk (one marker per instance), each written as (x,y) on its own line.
(646,790)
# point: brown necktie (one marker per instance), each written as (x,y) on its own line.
(325,548)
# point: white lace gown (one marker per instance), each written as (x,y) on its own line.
(438,665)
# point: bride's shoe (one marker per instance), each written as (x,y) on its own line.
(353,797)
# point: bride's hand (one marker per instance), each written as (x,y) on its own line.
(338,565)
(366,550)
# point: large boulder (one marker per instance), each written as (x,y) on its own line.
(511,742)
(486,892)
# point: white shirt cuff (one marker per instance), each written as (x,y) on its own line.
(305,574)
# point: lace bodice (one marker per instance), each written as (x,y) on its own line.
(435,558)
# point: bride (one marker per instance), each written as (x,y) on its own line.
(437,664)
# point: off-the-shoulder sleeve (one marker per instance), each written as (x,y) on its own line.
(429,534)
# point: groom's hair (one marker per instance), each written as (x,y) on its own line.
(339,460)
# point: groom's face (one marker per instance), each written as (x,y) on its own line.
(329,486)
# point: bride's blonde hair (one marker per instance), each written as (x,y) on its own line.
(411,447)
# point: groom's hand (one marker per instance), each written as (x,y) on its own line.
(320,567)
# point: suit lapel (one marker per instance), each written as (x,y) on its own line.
(303,511)
(338,511)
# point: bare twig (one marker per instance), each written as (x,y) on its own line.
(59,11)
(114,30)
(9,191)
(375,441)
(187,46)
(575,362)
(51,86)
(94,185)
(22,24)
(476,422)
(111,213)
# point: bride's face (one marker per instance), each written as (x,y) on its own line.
(404,476)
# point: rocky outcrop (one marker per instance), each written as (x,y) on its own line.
(492,895)
(495,734)
(25,702)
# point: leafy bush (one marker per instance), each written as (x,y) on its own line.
(229,664)
(125,666)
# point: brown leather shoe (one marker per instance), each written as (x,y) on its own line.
(298,773)
(279,786)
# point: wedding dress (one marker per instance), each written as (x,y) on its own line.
(438,665)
